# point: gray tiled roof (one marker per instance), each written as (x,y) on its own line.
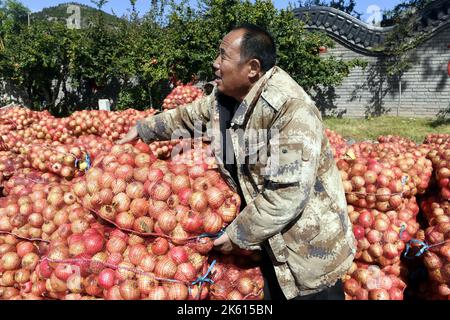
(365,38)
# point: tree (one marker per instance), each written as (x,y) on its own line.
(403,10)
(13,16)
(36,59)
(404,37)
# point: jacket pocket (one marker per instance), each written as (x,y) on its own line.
(286,161)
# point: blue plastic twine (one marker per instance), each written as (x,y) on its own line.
(422,250)
(201,280)
(211,235)
(402,230)
(204,278)
(87,159)
(404,180)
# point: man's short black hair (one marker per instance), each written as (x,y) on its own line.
(259,44)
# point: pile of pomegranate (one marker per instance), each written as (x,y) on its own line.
(105,221)
(381,181)
(83,218)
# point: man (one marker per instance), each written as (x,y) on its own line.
(295,204)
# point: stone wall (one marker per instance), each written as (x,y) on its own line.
(425,85)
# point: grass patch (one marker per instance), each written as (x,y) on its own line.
(369,129)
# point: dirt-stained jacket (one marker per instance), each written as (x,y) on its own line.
(295,199)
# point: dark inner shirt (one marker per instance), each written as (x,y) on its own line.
(227,109)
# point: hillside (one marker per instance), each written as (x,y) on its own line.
(87,13)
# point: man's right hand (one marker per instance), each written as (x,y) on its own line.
(130,136)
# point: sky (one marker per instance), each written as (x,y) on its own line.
(371,9)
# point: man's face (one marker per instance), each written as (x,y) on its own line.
(232,73)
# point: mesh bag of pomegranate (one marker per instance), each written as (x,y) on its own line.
(18,262)
(382,237)
(370,282)
(380,179)
(437,138)
(435,210)
(137,193)
(23,180)
(437,256)
(380,186)
(338,144)
(51,129)
(434,246)
(54,158)
(10,163)
(101,262)
(17,139)
(18,116)
(48,210)
(180,95)
(65,160)
(93,145)
(6,128)
(109,125)
(236,277)
(440,157)
(404,144)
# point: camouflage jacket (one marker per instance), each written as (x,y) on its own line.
(296,205)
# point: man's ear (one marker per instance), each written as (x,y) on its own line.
(255,68)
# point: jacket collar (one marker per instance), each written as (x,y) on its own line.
(250,99)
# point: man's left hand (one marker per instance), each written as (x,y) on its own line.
(223,243)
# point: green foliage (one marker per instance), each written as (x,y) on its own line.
(13,16)
(133,60)
(36,60)
(402,10)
